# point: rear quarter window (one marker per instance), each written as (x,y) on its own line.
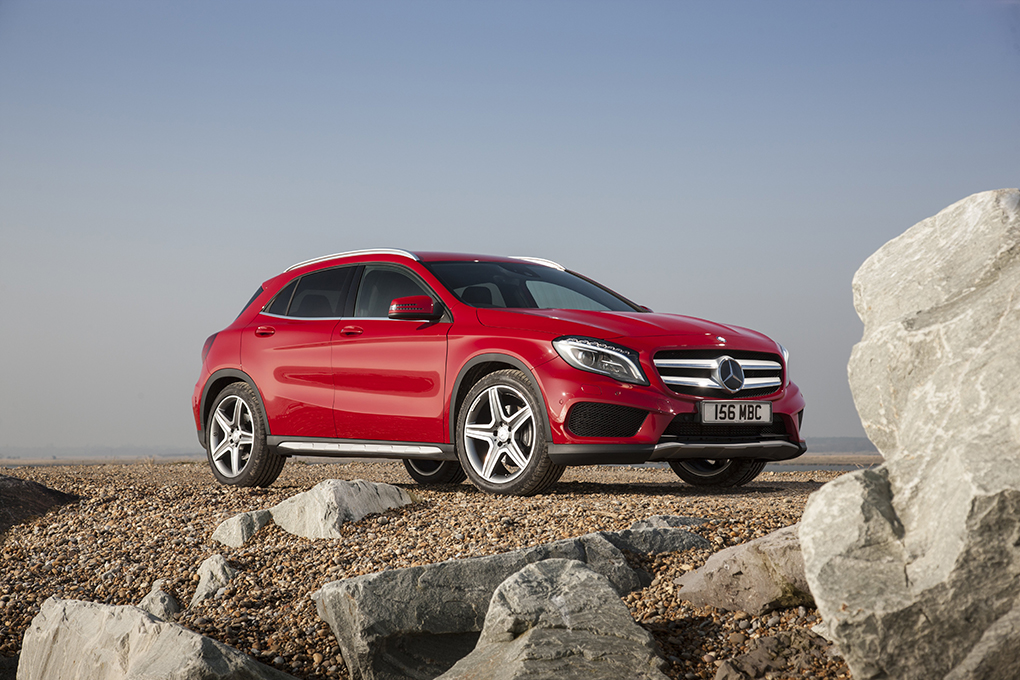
(253,299)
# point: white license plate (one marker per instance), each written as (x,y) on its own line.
(736,412)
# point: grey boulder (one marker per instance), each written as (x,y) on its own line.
(417,622)
(758,576)
(160,604)
(213,574)
(557,619)
(320,511)
(654,540)
(915,566)
(70,640)
(236,531)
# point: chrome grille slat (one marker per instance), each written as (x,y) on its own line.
(757,383)
(695,364)
(694,372)
(691,382)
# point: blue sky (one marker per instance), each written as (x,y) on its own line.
(730,160)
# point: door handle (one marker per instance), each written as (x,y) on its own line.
(351,330)
(264,331)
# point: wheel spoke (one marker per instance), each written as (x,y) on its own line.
(485,433)
(235,460)
(246,438)
(491,459)
(217,454)
(222,421)
(495,405)
(516,455)
(517,420)
(238,411)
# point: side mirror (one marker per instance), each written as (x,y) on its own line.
(415,308)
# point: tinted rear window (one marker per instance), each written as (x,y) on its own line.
(253,299)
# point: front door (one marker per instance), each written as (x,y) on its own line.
(389,374)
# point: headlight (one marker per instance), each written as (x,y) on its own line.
(599,356)
(786,360)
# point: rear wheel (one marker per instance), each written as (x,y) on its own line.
(717,472)
(236,440)
(501,439)
(435,471)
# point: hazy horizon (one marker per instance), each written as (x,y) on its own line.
(735,161)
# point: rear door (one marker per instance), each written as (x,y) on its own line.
(286,350)
(389,374)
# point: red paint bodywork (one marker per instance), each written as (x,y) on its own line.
(399,380)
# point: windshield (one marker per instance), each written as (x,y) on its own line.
(524,285)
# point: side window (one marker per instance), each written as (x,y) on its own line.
(379,286)
(321,294)
(318,295)
(282,300)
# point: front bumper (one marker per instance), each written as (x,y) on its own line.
(635,454)
(671,428)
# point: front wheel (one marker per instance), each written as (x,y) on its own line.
(501,440)
(719,472)
(236,440)
(435,471)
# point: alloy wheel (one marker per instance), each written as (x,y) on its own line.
(232,436)
(499,434)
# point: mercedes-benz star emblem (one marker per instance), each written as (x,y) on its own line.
(729,374)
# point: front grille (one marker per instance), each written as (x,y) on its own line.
(695,372)
(686,427)
(593,419)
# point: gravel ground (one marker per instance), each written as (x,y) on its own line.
(140,522)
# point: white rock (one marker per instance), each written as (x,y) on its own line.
(159,603)
(916,566)
(758,576)
(73,640)
(320,511)
(236,531)
(213,574)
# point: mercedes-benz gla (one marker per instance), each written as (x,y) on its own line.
(501,369)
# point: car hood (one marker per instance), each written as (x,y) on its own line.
(614,325)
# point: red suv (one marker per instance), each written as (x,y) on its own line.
(501,369)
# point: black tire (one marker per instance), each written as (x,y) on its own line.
(236,445)
(722,472)
(428,472)
(508,452)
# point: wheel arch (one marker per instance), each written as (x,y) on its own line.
(477,368)
(216,383)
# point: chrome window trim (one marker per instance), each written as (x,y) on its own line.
(352,253)
(540,261)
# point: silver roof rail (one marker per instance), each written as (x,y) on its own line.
(539,260)
(351,253)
